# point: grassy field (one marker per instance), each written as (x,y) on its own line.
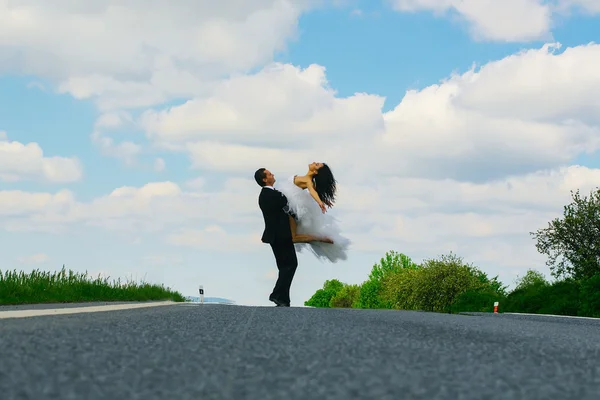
(17,287)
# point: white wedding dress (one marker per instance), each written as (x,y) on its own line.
(312,221)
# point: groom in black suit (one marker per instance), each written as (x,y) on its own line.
(278,234)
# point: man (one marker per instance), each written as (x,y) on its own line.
(278,234)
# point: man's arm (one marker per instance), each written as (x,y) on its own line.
(274,201)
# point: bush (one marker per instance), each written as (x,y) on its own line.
(369,296)
(347,297)
(439,283)
(525,300)
(589,296)
(322,297)
(535,295)
(531,278)
(373,292)
(561,298)
(391,263)
(18,287)
(397,289)
(447,284)
(477,300)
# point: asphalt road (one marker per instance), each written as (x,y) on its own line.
(230,352)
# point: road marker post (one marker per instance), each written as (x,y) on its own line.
(201,291)
(496,307)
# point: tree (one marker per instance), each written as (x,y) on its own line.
(369,295)
(322,297)
(572,243)
(397,289)
(441,281)
(371,290)
(347,297)
(531,278)
(390,263)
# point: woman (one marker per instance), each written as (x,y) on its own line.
(308,198)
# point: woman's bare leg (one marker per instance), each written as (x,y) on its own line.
(302,238)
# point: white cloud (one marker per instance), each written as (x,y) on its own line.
(14,203)
(414,215)
(159,164)
(152,54)
(281,105)
(215,238)
(20,161)
(506,20)
(515,86)
(154,207)
(33,259)
(196,183)
(505,118)
(589,6)
(153,51)
(127,151)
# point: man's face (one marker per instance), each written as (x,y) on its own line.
(269,178)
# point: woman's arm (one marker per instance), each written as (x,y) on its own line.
(314,194)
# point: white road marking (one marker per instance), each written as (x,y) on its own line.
(205,304)
(78,310)
(555,316)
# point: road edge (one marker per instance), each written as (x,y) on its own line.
(27,313)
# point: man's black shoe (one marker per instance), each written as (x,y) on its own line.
(279,303)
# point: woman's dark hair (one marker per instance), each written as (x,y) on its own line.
(325,185)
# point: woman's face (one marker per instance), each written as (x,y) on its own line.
(315,166)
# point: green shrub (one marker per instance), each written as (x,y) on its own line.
(391,263)
(322,297)
(372,292)
(537,296)
(531,278)
(589,296)
(440,281)
(477,300)
(18,287)
(447,284)
(347,297)
(528,294)
(526,300)
(397,289)
(486,284)
(369,296)
(561,298)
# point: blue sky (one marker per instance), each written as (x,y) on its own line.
(377,51)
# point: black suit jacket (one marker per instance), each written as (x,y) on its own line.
(277,223)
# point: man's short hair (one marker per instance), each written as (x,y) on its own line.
(260,176)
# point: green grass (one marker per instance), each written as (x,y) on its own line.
(70,287)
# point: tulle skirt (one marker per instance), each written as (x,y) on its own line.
(312,221)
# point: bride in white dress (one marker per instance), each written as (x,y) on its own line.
(308,198)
